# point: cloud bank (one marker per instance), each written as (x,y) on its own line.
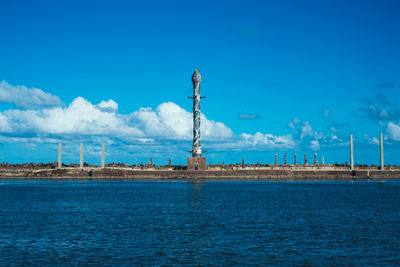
(27,98)
(82,118)
(42,118)
(166,125)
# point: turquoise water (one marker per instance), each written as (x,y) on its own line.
(211,223)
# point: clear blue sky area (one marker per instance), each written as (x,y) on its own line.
(305,72)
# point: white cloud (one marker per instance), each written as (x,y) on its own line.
(4,126)
(171,121)
(79,118)
(267,141)
(168,120)
(303,130)
(152,128)
(315,146)
(109,105)
(27,98)
(306,130)
(307,138)
(82,118)
(257,141)
(159,129)
(394,131)
(371,140)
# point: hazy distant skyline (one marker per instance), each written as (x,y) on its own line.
(279,76)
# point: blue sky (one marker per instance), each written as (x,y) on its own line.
(279,76)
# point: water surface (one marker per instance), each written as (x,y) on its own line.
(210,223)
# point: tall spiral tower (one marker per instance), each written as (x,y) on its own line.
(196,161)
(196,149)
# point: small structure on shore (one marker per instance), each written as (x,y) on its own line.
(351,153)
(59,155)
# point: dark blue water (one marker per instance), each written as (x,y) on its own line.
(211,223)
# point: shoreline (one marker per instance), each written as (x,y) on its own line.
(270,174)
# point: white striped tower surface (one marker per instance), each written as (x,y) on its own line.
(196,149)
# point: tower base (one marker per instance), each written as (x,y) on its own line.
(197,163)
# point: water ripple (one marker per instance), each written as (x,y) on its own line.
(211,223)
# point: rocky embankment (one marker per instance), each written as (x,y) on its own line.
(235,174)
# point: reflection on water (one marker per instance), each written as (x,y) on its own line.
(208,223)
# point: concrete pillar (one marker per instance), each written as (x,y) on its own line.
(351,153)
(81,157)
(276,158)
(102,155)
(295,159)
(305,158)
(59,155)
(322,161)
(381,143)
(315,158)
(285,159)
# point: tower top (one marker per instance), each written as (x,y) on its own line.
(196,77)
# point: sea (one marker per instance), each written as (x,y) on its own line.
(212,223)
